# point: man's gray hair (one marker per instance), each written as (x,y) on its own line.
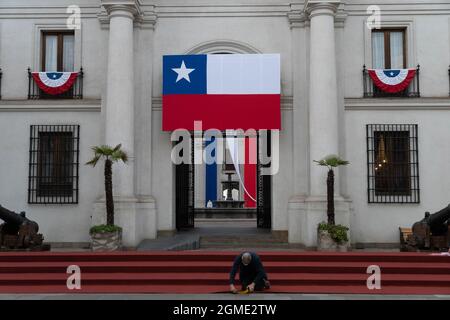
(246,258)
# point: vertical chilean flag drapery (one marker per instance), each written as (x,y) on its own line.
(224,92)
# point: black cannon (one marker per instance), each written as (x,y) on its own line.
(19,233)
(432,232)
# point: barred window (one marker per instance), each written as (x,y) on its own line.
(392,163)
(54,162)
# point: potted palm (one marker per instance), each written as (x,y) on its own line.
(107,237)
(329,235)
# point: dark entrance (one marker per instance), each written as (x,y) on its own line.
(185,186)
(184,191)
(264,190)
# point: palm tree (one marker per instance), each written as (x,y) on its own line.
(111,155)
(331,161)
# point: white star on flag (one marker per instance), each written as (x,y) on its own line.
(183,72)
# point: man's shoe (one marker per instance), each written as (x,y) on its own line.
(266,284)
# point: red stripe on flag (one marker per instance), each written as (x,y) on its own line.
(250,172)
(221,111)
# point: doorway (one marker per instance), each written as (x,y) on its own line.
(232,196)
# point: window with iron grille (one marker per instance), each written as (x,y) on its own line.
(54,162)
(392,163)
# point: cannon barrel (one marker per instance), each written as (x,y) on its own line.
(437,221)
(19,233)
(11,217)
(439,217)
(431,232)
(14,220)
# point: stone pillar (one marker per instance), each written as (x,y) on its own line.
(144,26)
(323,103)
(135,209)
(307,211)
(119,117)
(300,66)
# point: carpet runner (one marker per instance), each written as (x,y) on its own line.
(207,272)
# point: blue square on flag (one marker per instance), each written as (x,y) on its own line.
(184,74)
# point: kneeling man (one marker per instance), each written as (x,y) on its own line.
(251,273)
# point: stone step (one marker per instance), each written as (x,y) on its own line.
(241,237)
(248,241)
(207,272)
(230,216)
(241,244)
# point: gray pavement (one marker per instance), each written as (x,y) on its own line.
(190,239)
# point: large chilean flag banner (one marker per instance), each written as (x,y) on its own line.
(224,91)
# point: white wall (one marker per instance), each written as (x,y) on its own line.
(20,44)
(58,223)
(428,43)
(379,222)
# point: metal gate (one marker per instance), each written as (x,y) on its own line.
(185,186)
(184,191)
(264,190)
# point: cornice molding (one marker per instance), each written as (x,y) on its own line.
(162,10)
(387,104)
(84,105)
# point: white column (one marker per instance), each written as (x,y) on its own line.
(300,65)
(306,212)
(120,94)
(323,103)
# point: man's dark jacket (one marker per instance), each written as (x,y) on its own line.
(253,272)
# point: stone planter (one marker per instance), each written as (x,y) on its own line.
(108,241)
(342,247)
(325,242)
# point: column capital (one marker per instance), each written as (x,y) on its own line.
(296,19)
(126,8)
(314,8)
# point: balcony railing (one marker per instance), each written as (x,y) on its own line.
(372,91)
(75,92)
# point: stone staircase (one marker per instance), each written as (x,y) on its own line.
(202,271)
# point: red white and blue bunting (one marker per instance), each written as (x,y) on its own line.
(390,80)
(54,83)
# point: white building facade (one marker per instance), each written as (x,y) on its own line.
(328,106)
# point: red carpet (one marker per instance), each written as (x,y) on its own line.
(207,272)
